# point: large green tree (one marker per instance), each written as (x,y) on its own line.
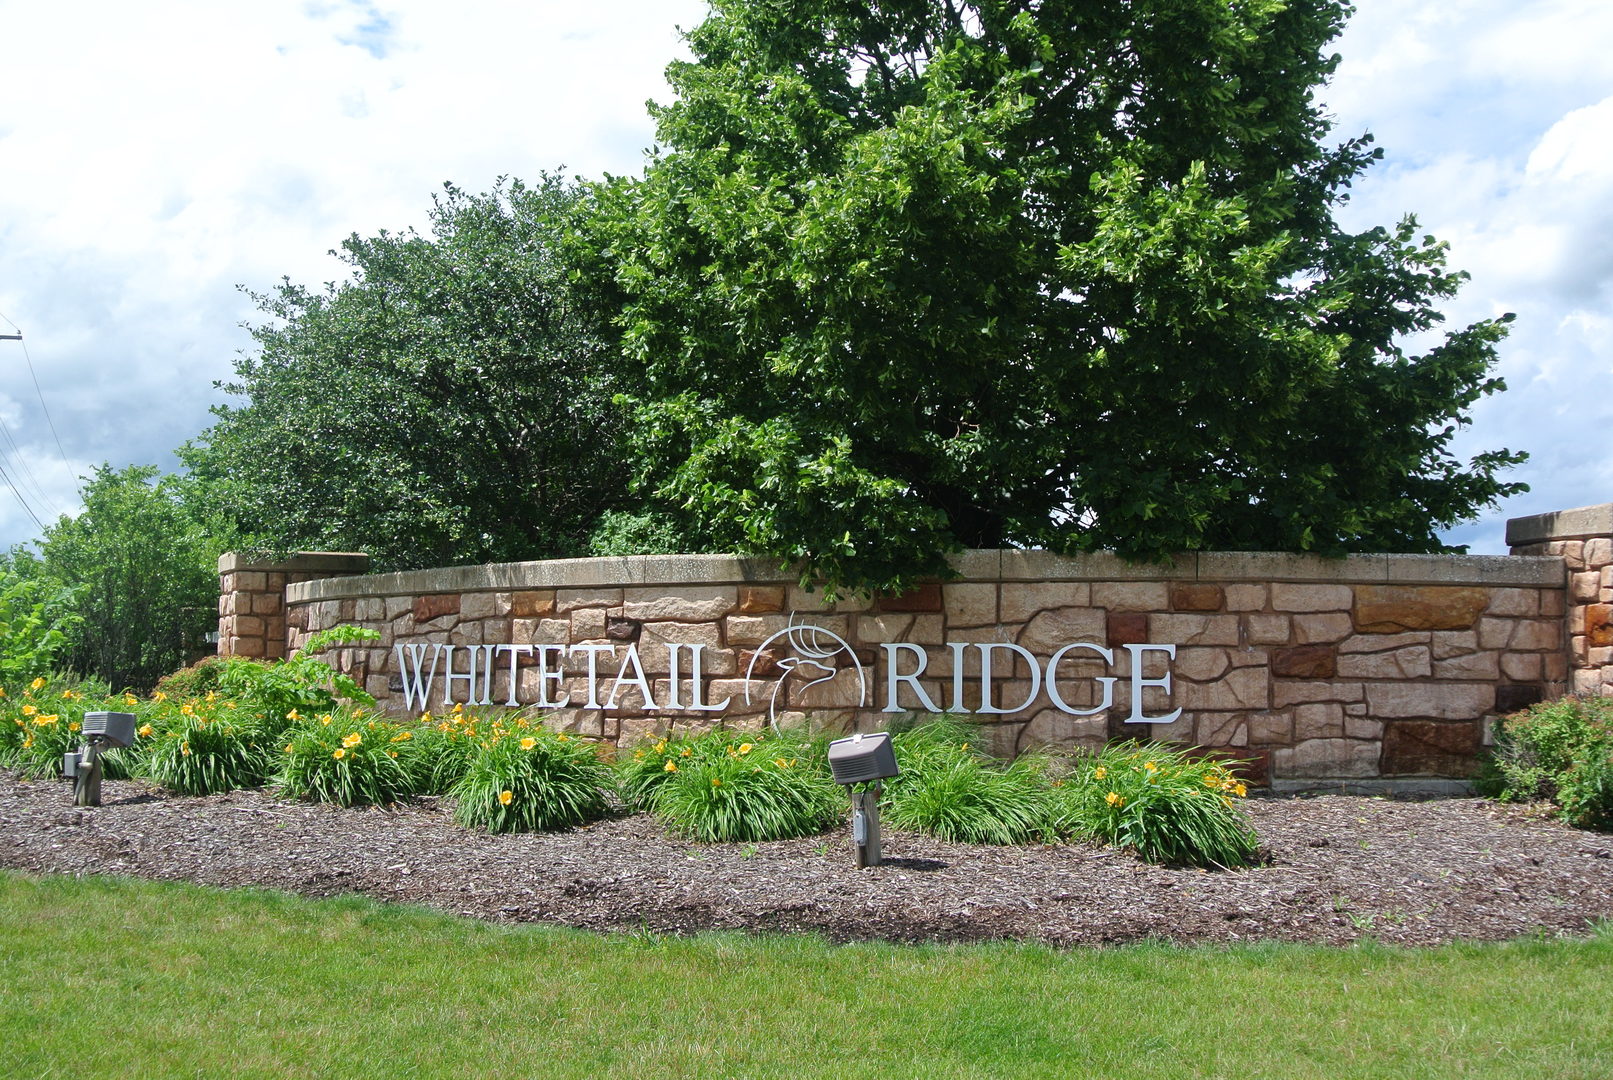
(140,567)
(449,403)
(911,275)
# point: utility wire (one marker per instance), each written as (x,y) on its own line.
(32,375)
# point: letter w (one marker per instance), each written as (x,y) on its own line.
(413,688)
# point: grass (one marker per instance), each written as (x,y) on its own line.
(109,977)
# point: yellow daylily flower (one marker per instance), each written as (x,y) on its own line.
(1114,799)
(352,740)
(339,753)
(505,797)
(528,743)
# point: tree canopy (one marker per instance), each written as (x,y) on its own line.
(450,403)
(910,275)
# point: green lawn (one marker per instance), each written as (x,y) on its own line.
(111,977)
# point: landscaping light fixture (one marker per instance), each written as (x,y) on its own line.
(101,730)
(864,759)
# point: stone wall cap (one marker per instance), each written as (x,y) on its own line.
(313,562)
(1578,524)
(986,565)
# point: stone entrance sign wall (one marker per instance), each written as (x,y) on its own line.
(1363,668)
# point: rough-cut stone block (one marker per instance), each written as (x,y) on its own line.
(1127,628)
(1051,728)
(969,604)
(1221,729)
(695,604)
(1377,643)
(1201,664)
(1553,602)
(1303,691)
(886,626)
(1130,595)
(1600,657)
(1022,600)
(1304,662)
(1585,681)
(532,603)
(1496,633)
(540,631)
(1556,667)
(1428,748)
(479,605)
(1523,667)
(249,581)
(427,608)
(1238,690)
(1193,629)
(1391,609)
(250,626)
(617,629)
(1525,602)
(1246,597)
(1359,727)
(798,599)
(760,599)
(924,597)
(1430,700)
(1269,629)
(1586,586)
(568,600)
(1197,596)
(1536,635)
(1052,630)
(1288,596)
(1325,759)
(1321,629)
(1483,665)
(266,603)
(1449,643)
(253,647)
(369,610)
(753,629)
(1410,662)
(1599,552)
(1318,720)
(1599,625)
(588,624)
(1271,728)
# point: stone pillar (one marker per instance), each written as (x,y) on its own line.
(252,597)
(1583,538)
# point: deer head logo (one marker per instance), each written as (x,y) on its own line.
(813,652)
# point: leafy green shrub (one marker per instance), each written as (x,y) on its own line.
(346,757)
(726,786)
(440,748)
(36,621)
(1162,803)
(301,684)
(1562,751)
(200,748)
(529,779)
(44,719)
(198,679)
(951,790)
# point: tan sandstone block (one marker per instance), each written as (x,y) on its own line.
(1326,758)
(1431,700)
(1389,609)
(1321,629)
(969,604)
(1130,595)
(1247,597)
(1201,664)
(1524,602)
(1482,665)
(1319,720)
(1221,729)
(1598,552)
(1271,728)
(1052,630)
(1269,629)
(760,599)
(1179,629)
(568,600)
(1239,690)
(1287,596)
(1411,662)
(1303,691)
(1586,586)
(1021,600)
(704,603)
(1377,643)
(1523,667)
(1449,643)
(753,629)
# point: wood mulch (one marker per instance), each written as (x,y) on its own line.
(1338,869)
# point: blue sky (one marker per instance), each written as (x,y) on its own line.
(154,157)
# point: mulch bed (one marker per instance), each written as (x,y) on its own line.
(1339,869)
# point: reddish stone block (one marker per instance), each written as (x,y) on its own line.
(622,629)
(1431,748)
(1511,697)
(532,604)
(1304,662)
(1127,628)
(760,599)
(1598,625)
(925,597)
(766,661)
(1193,597)
(1392,609)
(427,608)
